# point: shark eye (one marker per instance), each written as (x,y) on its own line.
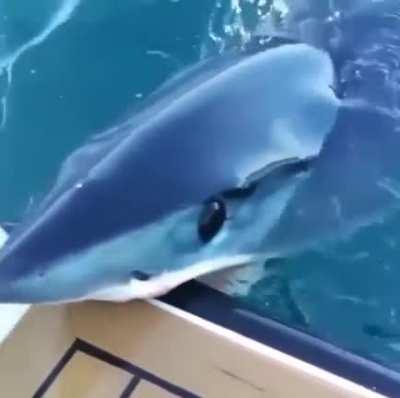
(211,219)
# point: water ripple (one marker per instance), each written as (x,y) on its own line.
(59,18)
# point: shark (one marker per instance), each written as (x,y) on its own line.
(199,180)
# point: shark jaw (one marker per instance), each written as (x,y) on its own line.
(165,282)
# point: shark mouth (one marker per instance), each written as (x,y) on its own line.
(165,282)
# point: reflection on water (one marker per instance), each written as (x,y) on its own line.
(71,68)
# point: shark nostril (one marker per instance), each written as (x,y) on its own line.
(141,276)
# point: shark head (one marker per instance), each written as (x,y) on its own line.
(190,185)
(227,229)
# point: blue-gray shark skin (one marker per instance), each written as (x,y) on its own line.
(122,220)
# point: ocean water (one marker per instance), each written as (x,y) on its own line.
(72,68)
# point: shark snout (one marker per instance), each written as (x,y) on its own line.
(22,278)
(9,279)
